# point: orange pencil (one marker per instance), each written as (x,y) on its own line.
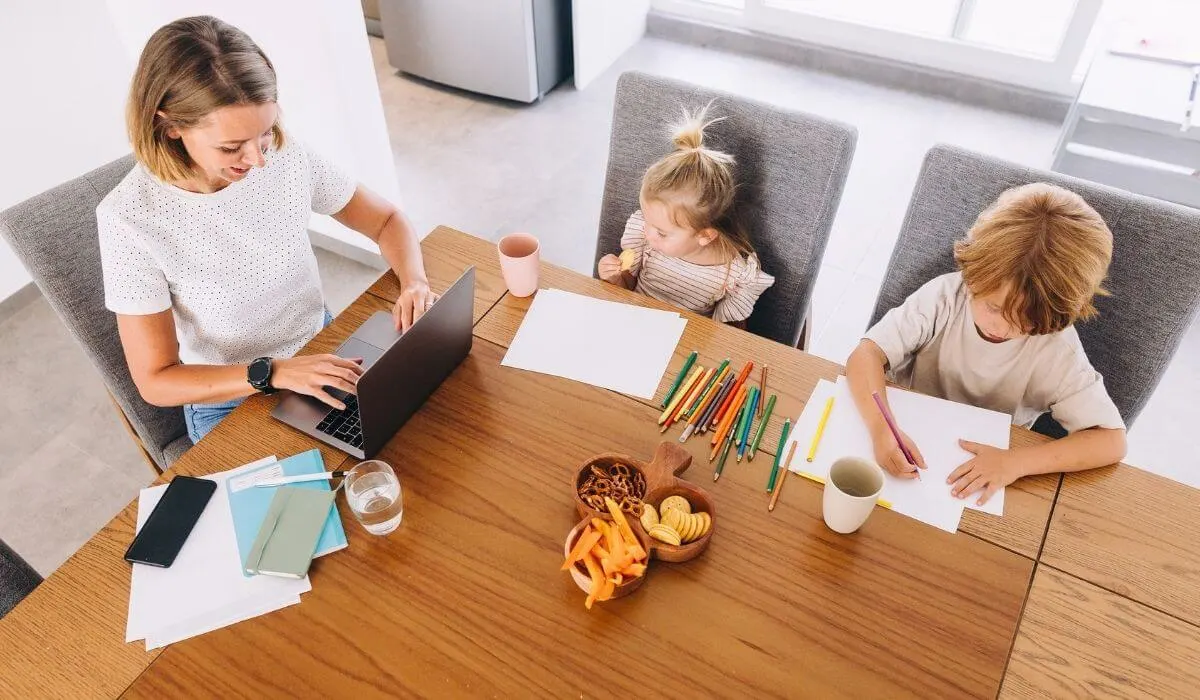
(709,396)
(731,417)
(719,416)
(691,397)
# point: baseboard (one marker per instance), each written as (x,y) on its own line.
(346,250)
(10,305)
(894,74)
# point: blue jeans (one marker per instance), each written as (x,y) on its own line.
(201,418)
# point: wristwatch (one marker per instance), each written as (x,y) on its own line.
(259,375)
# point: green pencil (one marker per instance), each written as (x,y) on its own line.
(703,394)
(739,425)
(724,455)
(762,427)
(679,378)
(783,436)
(748,425)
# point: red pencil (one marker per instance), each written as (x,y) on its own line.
(724,409)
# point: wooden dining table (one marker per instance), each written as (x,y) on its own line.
(1087,585)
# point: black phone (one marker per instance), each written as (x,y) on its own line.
(171,521)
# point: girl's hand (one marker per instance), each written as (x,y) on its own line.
(415,299)
(990,470)
(609,269)
(310,374)
(891,457)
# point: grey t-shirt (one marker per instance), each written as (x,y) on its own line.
(932,346)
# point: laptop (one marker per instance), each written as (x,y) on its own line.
(402,370)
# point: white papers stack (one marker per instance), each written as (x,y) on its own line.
(204,589)
(935,425)
(616,346)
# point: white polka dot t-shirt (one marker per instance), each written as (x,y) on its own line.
(235,266)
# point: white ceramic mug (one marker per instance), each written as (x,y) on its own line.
(851,491)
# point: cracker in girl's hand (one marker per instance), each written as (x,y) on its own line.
(628,258)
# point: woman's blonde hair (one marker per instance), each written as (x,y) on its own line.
(1048,246)
(697,185)
(188,69)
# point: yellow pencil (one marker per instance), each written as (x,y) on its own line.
(683,390)
(812,449)
(813,477)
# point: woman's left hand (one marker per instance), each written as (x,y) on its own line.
(415,299)
(990,470)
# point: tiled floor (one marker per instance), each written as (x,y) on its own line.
(490,167)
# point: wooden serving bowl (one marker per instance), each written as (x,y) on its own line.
(662,479)
(579,572)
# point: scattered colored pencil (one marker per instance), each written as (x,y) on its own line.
(744,435)
(816,440)
(779,486)
(783,438)
(701,407)
(692,395)
(891,423)
(762,425)
(724,455)
(726,388)
(741,381)
(762,388)
(683,389)
(710,389)
(723,430)
(687,364)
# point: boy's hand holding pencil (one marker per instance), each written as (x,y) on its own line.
(894,450)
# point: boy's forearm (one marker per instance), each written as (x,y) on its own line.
(865,372)
(1086,449)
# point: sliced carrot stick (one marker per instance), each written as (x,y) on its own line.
(619,519)
(597,579)
(586,541)
(635,570)
(606,589)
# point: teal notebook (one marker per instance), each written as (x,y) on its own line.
(249,504)
(288,536)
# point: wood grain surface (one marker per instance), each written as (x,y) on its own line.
(1078,640)
(467,597)
(447,254)
(1132,532)
(792,376)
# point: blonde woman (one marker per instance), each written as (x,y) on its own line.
(206,257)
(683,246)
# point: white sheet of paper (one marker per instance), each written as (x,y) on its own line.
(243,610)
(615,346)
(204,585)
(934,424)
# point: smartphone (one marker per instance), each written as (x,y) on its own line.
(171,521)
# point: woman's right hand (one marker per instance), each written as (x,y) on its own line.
(310,374)
(891,457)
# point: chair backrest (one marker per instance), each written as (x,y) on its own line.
(790,170)
(54,235)
(1153,278)
(17,579)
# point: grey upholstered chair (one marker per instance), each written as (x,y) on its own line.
(1153,278)
(54,235)
(790,168)
(17,579)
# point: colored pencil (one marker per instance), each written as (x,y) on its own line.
(726,426)
(687,364)
(744,436)
(762,388)
(891,423)
(724,455)
(741,380)
(710,390)
(816,440)
(701,407)
(783,438)
(687,384)
(762,425)
(813,477)
(779,487)
(693,394)
(706,417)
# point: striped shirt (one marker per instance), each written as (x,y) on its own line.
(726,292)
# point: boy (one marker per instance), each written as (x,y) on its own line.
(998,334)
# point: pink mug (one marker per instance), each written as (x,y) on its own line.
(519,256)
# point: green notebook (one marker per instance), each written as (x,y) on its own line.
(289,533)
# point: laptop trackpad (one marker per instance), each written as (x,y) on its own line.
(353,347)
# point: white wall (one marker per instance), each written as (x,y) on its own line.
(65,67)
(602,30)
(63,77)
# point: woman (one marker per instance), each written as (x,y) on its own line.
(206,257)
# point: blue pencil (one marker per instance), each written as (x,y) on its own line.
(744,438)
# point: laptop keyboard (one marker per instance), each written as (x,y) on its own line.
(344,425)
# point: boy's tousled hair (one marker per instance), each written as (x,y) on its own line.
(188,69)
(697,184)
(1047,247)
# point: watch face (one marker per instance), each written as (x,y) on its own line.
(259,371)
